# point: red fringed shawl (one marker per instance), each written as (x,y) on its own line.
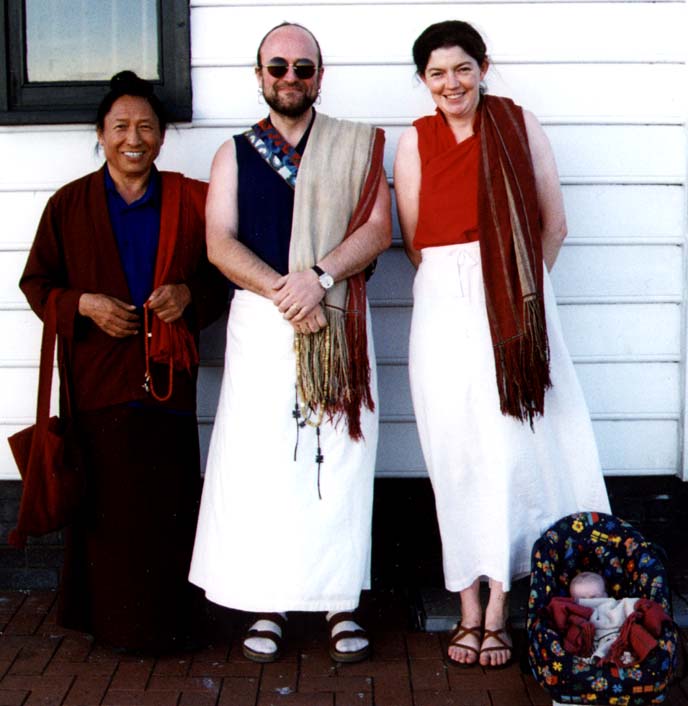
(511,252)
(356,334)
(172,340)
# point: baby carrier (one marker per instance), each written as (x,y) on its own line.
(631,567)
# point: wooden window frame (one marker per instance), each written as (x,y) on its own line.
(23,103)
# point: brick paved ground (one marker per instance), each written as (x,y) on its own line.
(43,664)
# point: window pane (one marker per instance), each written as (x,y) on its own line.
(87,40)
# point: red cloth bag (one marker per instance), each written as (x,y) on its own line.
(46,454)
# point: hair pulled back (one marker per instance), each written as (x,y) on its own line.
(127,83)
(452,33)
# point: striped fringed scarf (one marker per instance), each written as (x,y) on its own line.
(336,189)
(511,252)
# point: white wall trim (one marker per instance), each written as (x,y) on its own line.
(223,62)
(391,121)
(316,3)
(561,301)
(565,180)
(683,427)
(608,472)
(551,120)
(608,417)
(400,361)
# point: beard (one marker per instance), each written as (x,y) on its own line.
(290,107)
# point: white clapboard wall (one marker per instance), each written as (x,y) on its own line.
(608,80)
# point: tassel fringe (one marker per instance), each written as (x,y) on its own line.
(332,367)
(523,371)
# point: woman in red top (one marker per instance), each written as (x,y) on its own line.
(503,425)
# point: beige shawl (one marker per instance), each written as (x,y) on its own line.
(335,191)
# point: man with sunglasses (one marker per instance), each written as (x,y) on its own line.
(298,207)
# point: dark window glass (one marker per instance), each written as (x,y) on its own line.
(91,41)
(62,53)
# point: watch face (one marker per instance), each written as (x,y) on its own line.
(326,280)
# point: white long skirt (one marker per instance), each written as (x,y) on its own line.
(265,540)
(498,485)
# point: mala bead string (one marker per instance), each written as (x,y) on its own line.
(296,414)
(300,420)
(302,412)
(319,458)
(148,378)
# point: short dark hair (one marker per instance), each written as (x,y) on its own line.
(289,24)
(452,33)
(127,83)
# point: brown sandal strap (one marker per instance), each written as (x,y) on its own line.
(460,633)
(273,635)
(348,634)
(276,618)
(340,618)
(273,617)
(496,635)
(268,634)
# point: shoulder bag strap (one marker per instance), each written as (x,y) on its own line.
(45,374)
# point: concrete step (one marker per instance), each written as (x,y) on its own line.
(438,610)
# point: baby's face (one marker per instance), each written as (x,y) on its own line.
(587,592)
(587,585)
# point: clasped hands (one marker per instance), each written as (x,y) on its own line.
(119,319)
(298,296)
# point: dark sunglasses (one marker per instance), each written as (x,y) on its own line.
(278,67)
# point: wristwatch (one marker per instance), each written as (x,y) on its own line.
(326,280)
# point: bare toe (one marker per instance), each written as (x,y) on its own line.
(464,645)
(496,649)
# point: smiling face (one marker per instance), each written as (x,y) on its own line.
(453,78)
(130,137)
(289,95)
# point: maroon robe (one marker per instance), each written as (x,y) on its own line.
(75,250)
(127,555)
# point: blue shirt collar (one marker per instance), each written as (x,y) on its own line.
(150,198)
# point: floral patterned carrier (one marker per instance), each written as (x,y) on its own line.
(631,566)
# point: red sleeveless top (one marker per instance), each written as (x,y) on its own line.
(448,203)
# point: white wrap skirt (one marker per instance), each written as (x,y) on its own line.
(265,540)
(498,484)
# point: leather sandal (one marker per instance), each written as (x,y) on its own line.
(360,633)
(274,636)
(503,645)
(455,641)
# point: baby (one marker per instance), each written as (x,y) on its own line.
(606,629)
(625,630)
(608,615)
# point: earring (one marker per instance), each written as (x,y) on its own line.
(318,98)
(261,98)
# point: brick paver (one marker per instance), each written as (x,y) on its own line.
(41,664)
(87,689)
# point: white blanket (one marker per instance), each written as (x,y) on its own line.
(608,617)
